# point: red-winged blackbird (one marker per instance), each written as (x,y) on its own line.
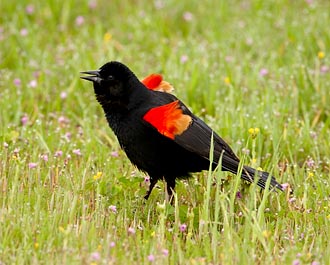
(159,133)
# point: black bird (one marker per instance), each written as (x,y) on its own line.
(158,133)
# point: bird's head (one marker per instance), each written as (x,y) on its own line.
(111,81)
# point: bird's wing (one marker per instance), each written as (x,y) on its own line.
(175,121)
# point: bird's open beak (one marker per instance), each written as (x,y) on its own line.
(94,76)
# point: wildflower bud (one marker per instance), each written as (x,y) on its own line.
(254,132)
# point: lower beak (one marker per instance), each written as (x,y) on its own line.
(94,76)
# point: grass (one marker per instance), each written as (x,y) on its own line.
(237,64)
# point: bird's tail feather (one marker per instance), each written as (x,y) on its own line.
(249,174)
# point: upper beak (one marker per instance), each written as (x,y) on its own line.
(94,76)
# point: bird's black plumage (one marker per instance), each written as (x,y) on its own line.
(126,102)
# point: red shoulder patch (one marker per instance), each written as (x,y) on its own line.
(156,82)
(152,81)
(168,119)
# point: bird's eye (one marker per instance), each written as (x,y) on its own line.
(110,78)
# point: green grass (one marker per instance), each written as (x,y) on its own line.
(58,213)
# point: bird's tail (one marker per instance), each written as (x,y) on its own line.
(250,174)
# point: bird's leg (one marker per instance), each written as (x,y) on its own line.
(170,188)
(153,182)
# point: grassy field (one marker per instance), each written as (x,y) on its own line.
(69,195)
